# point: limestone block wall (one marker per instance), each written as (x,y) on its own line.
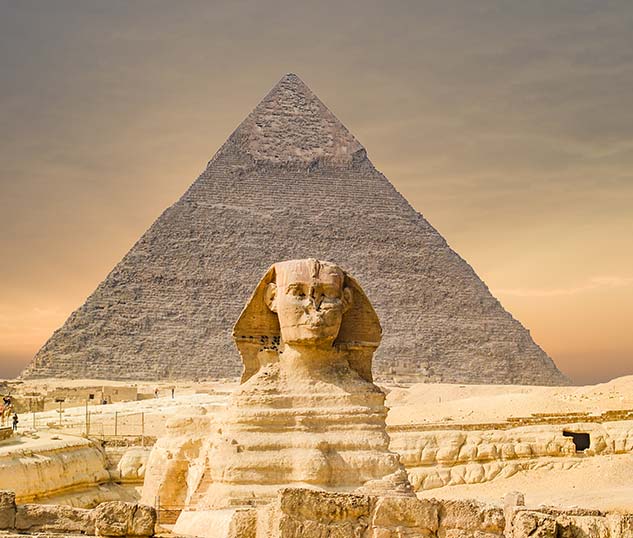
(310,514)
(108,519)
(52,467)
(440,457)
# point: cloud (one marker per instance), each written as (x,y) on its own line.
(595,283)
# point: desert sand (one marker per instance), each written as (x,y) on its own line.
(437,403)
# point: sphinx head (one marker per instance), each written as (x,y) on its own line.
(310,299)
(307,303)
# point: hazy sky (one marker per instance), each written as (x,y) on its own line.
(507,124)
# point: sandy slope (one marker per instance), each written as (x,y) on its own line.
(492,403)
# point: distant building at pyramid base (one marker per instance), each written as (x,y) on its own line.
(291,182)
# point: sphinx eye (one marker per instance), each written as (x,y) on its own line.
(296,291)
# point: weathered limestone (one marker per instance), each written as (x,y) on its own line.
(437,457)
(52,465)
(7,509)
(307,412)
(108,519)
(31,518)
(131,466)
(290,182)
(298,513)
(174,466)
(465,518)
(124,519)
(301,513)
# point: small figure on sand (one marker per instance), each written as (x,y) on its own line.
(156,392)
(15,422)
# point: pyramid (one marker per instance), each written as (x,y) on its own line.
(291,182)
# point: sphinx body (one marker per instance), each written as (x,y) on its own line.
(307,413)
(326,431)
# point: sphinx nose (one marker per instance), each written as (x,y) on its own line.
(316,299)
(313,301)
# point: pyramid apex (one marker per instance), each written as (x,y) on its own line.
(292,125)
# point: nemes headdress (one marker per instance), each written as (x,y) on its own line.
(258,337)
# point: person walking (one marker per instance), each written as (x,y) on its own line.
(15,422)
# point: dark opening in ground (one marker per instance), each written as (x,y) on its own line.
(581,440)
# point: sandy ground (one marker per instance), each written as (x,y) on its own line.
(432,403)
(42,441)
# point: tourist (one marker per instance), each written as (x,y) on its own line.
(156,392)
(15,422)
(173,389)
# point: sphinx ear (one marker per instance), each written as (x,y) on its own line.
(270,294)
(347,299)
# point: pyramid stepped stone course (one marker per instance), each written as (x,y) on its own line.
(291,182)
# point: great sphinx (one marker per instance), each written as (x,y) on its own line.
(306,413)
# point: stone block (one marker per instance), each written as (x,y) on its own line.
(54,518)
(319,505)
(596,526)
(534,525)
(406,512)
(621,525)
(243,524)
(471,516)
(7,510)
(118,518)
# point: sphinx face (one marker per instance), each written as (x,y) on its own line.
(310,299)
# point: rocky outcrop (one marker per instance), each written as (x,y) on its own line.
(52,465)
(290,182)
(445,457)
(114,519)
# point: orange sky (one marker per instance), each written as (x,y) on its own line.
(508,125)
